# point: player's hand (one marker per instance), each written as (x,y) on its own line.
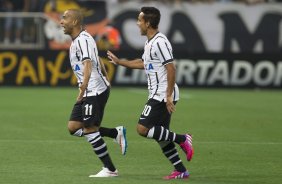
(113,58)
(170,105)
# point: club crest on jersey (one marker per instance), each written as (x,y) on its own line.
(149,66)
(76,68)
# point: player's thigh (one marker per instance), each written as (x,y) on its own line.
(86,112)
(76,113)
(74,125)
(93,109)
(75,120)
(152,113)
(89,112)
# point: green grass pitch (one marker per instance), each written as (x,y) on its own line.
(236,133)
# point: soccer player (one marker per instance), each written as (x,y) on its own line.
(154,121)
(94,90)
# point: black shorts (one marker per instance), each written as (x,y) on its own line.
(155,114)
(90,110)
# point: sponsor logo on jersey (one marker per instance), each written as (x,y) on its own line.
(149,66)
(76,68)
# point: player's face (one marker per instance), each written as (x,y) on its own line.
(142,24)
(67,22)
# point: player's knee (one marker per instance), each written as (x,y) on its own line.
(141,130)
(73,127)
(71,130)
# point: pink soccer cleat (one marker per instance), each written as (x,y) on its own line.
(177,175)
(187,147)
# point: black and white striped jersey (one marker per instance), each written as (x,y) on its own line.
(84,47)
(157,54)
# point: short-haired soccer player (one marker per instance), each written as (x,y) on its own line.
(154,121)
(94,90)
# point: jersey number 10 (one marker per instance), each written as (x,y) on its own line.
(146,110)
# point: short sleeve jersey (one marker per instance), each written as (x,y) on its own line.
(157,54)
(84,47)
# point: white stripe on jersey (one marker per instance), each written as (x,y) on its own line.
(84,47)
(158,53)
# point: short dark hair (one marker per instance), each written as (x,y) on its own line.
(151,15)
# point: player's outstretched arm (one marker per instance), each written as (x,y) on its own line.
(134,64)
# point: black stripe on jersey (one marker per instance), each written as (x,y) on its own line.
(168,61)
(157,78)
(168,50)
(87,48)
(174,94)
(150,83)
(157,84)
(153,42)
(154,39)
(80,48)
(77,56)
(151,53)
(161,50)
(83,59)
